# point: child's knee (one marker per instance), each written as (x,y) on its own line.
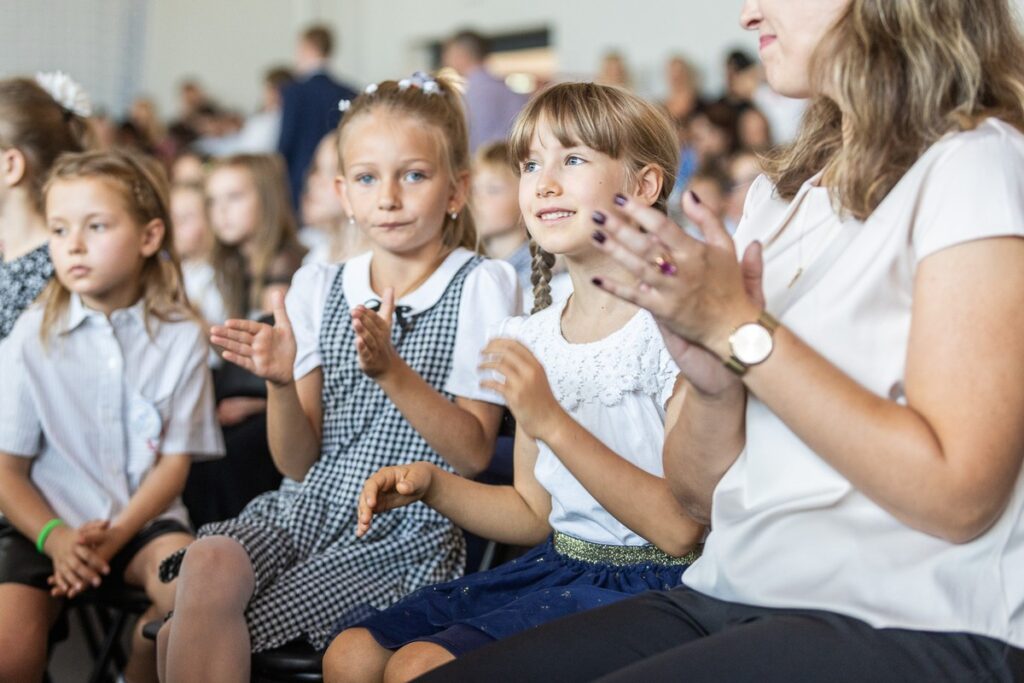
(213,556)
(413,660)
(215,568)
(354,657)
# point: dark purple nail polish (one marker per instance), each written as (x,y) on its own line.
(694,197)
(667,268)
(598,237)
(597,281)
(620,200)
(599,217)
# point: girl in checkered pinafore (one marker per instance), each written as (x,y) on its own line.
(357,381)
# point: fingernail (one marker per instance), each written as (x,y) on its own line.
(620,200)
(598,237)
(597,281)
(694,197)
(599,217)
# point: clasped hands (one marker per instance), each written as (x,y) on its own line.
(81,557)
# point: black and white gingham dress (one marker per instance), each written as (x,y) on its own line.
(312,573)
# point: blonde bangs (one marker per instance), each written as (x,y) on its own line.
(606,119)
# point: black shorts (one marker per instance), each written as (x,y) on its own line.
(20,562)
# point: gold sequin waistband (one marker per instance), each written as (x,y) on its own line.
(618,555)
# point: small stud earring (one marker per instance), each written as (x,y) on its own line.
(454,215)
(351,220)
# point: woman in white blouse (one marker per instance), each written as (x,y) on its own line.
(859,462)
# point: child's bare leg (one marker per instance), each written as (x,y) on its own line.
(142,572)
(413,660)
(208,638)
(355,657)
(26,615)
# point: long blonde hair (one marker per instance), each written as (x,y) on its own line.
(241,283)
(607,119)
(143,187)
(443,115)
(892,77)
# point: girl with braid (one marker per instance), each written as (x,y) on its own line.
(591,385)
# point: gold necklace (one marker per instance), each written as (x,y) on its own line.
(802,226)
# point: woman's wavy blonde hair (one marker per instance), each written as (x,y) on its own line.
(892,77)
(143,186)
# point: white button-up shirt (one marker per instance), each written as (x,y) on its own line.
(102,402)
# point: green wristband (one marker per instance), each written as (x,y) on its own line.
(44,533)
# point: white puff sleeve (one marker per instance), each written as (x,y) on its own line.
(305,303)
(490,295)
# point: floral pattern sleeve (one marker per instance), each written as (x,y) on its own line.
(21,282)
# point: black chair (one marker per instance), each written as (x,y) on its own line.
(104,615)
(295,662)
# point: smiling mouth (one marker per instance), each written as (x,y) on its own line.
(393,225)
(555,216)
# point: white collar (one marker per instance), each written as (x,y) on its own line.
(78,313)
(355,281)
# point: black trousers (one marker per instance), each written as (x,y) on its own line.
(683,635)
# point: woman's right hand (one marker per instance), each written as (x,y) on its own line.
(76,567)
(390,488)
(265,351)
(703,369)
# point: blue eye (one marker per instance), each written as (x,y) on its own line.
(574,160)
(415,176)
(364,179)
(528,166)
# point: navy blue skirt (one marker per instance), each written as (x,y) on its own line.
(538,587)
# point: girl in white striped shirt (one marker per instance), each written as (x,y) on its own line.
(107,399)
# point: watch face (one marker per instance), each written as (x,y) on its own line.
(751,343)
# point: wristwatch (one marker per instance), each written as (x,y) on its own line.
(751,343)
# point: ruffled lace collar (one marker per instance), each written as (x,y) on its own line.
(630,360)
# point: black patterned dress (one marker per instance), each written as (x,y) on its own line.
(311,571)
(21,282)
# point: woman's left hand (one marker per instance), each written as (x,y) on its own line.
(697,290)
(526,390)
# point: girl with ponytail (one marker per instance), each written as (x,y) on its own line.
(39,120)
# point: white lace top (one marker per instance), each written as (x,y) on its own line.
(616,388)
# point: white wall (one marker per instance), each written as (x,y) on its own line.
(97,41)
(229,43)
(226,45)
(391,32)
